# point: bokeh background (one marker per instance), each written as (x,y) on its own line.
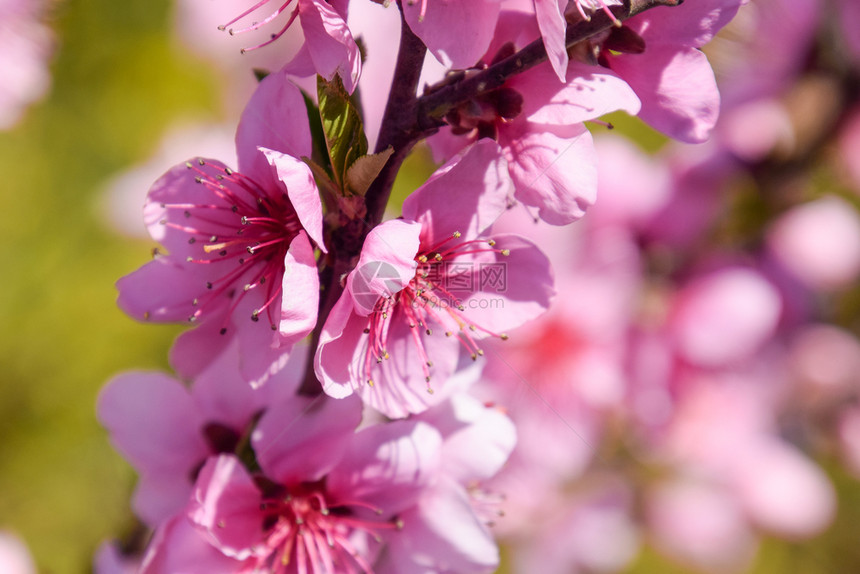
(128,86)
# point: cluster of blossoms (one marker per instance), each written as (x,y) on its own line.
(360,395)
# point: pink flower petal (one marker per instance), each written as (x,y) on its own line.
(441,534)
(456,32)
(275,118)
(477,439)
(302,191)
(553,169)
(159,496)
(226,504)
(301,290)
(550,18)
(302,439)
(677,88)
(329,43)
(726,316)
(388,465)
(178,546)
(466,195)
(591,92)
(522,294)
(773,474)
(386,265)
(153,422)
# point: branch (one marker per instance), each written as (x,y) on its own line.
(398,129)
(433,106)
(395,132)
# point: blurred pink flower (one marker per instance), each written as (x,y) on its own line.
(849,438)
(818,243)
(849,148)
(724,317)
(25,47)
(700,523)
(435,271)
(14,556)
(825,361)
(237,241)
(631,185)
(588,530)
(778,489)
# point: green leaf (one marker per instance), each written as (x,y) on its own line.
(364,170)
(319,151)
(342,128)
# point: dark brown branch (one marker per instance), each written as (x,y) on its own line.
(399,129)
(433,106)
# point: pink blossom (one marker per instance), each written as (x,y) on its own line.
(328,43)
(328,499)
(424,286)
(14,556)
(749,69)
(167,431)
(697,180)
(26,46)
(538,122)
(622,204)
(237,242)
(724,317)
(755,466)
(818,243)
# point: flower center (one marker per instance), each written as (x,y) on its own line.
(434,295)
(307,531)
(243,233)
(256,25)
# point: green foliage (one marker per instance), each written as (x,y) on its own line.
(342,129)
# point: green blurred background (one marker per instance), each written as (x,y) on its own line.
(119,80)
